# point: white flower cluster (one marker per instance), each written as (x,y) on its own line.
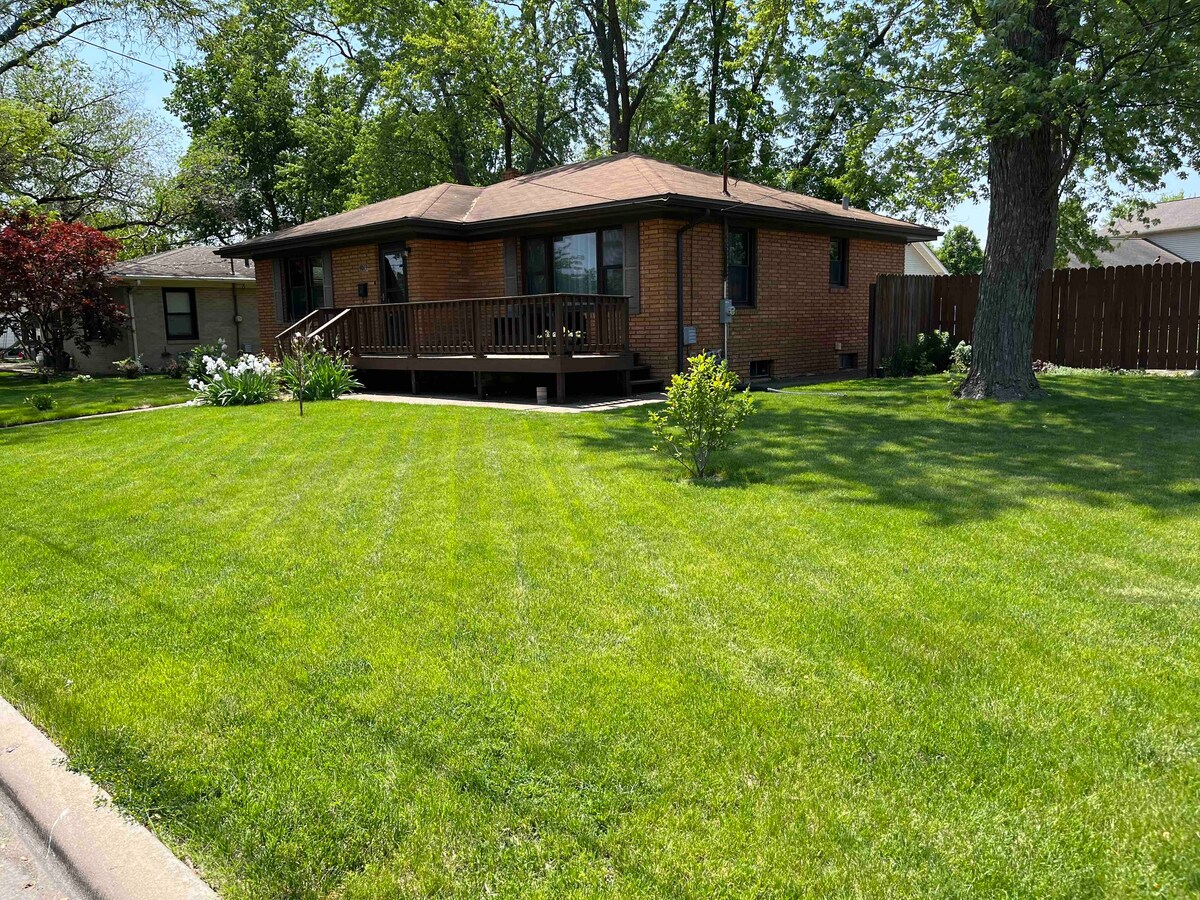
(216,366)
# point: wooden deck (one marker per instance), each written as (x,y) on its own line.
(559,334)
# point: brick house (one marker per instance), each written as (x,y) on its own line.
(617,264)
(177,300)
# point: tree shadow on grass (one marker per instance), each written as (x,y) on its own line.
(1103,441)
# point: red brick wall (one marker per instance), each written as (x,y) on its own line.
(485,264)
(264,298)
(798,319)
(353,266)
(797,322)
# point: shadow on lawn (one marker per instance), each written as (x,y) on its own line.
(1100,440)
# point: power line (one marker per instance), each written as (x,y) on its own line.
(118,53)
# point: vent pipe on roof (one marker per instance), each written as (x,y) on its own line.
(845,203)
(725,169)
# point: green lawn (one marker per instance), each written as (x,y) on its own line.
(75,399)
(911,647)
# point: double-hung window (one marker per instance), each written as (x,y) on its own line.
(739,265)
(839,262)
(591,262)
(304,286)
(179,309)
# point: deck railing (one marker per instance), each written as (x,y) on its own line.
(550,324)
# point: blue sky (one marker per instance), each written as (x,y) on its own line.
(150,87)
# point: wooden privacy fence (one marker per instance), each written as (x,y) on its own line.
(1128,317)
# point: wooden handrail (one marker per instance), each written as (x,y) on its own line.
(340,315)
(320,310)
(534,324)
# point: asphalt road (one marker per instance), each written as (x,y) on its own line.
(27,871)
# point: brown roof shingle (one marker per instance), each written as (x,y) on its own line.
(628,179)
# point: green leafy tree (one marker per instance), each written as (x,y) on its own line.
(1024,101)
(960,251)
(73,145)
(718,86)
(273,137)
(30,28)
(703,410)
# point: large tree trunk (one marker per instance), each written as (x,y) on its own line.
(1023,181)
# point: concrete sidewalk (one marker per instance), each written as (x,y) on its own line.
(595,405)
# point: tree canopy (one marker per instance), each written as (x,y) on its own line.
(52,284)
(960,251)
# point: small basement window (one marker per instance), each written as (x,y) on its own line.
(761,368)
(847,360)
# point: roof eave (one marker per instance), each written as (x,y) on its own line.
(663,204)
(170,279)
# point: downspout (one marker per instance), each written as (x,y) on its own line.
(132,323)
(679,287)
(237,319)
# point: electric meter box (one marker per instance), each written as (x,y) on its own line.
(726,311)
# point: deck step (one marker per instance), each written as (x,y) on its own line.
(645,385)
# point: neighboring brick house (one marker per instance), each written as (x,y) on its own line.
(798,272)
(178,299)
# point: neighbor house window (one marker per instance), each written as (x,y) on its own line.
(179,307)
(591,262)
(393,264)
(839,262)
(739,265)
(304,288)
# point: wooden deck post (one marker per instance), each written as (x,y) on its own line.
(561,387)
(559,325)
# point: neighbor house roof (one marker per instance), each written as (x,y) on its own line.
(1130,252)
(194,263)
(625,183)
(1170,215)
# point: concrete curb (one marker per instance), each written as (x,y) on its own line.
(107,415)
(109,855)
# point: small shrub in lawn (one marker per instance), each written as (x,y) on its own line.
(248,380)
(42,401)
(327,374)
(193,360)
(174,368)
(928,354)
(960,358)
(704,408)
(130,367)
(82,379)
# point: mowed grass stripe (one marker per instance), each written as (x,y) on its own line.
(906,647)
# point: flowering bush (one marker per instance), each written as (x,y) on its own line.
(960,358)
(249,379)
(326,375)
(82,379)
(193,360)
(130,367)
(42,402)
